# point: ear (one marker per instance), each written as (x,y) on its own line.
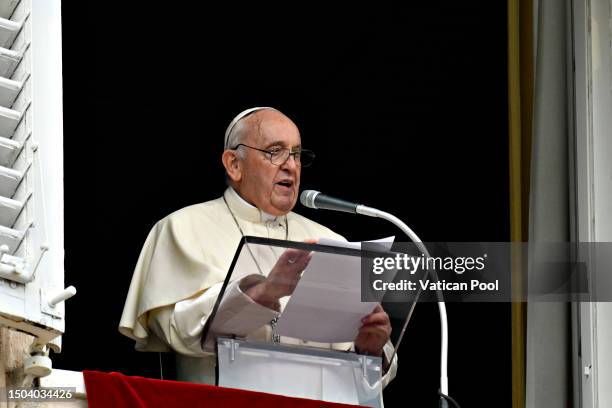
(232,164)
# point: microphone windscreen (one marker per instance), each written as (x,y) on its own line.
(307,198)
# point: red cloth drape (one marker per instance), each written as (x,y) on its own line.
(105,390)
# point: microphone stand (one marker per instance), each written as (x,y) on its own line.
(372,212)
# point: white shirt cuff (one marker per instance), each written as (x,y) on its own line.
(240,315)
(237,315)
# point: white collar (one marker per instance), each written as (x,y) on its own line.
(245,210)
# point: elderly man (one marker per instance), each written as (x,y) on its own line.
(187,255)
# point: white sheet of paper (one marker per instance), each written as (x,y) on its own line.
(326,306)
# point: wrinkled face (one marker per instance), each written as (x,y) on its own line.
(272,188)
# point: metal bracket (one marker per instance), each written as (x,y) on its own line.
(17,269)
(233,346)
(50,300)
(364,366)
(13,268)
(46,308)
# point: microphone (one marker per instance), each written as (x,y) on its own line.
(314,199)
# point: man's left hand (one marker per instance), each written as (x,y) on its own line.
(374,333)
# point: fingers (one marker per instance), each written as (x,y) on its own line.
(376,324)
(380,326)
(380,317)
(382,332)
(372,338)
(295,259)
(284,277)
(294,255)
(286,273)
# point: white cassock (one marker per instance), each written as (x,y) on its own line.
(181,270)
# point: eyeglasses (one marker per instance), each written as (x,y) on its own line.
(279,155)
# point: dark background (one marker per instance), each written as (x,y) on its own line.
(406,108)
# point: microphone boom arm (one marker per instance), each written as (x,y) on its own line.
(372,212)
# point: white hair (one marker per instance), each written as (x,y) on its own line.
(237,135)
(238,129)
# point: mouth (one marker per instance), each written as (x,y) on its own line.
(285,184)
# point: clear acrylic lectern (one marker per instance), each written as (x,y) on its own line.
(291,367)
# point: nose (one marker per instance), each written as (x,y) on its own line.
(290,163)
